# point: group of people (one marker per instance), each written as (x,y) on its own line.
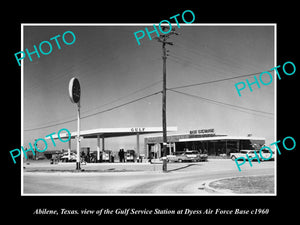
(122,155)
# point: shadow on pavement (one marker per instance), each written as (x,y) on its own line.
(183,167)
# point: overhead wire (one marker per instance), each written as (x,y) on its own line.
(176,59)
(125,96)
(124,104)
(199,67)
(234,107)
(91,52)
(214,81)
(93,114)
(208,52)
(151,85)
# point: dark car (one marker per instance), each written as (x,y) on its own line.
(203,157)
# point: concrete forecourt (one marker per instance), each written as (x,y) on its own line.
(133,178)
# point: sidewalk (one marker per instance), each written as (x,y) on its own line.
(210,166)
(45,166)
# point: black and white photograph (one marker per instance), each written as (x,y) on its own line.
(181,113)
(141,112)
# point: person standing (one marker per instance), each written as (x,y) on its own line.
(119,154)
(123,155)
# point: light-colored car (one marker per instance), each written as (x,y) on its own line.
(194,155)
(266,154)
(171,158)
(187,156)
(65,157)
(251,154)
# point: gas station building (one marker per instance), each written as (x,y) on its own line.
(205,141)
(103,133)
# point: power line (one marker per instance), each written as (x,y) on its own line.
(108,103)
(125,96)
(37,128)
(214,81)
(208,51)
(93,114)
(222,103)
(124,104)
(199,67)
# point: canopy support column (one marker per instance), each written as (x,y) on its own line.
(103,144)
(98,148)
(137,144)
(69,150)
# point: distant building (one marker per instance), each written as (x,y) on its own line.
(205,141)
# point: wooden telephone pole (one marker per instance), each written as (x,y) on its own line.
(163,38)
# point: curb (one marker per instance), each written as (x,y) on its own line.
(209,189)
(206,187)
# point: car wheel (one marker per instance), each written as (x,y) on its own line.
(180,160)
(233,157)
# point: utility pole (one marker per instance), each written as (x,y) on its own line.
(163,38)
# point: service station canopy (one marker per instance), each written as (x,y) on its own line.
(114,132)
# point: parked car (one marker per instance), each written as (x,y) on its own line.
(242,153)
(40,157)
(191,155)
(171,158)
(203,157)
(265,154)
(187,156)
(65,157)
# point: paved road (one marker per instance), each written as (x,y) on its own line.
(185,179)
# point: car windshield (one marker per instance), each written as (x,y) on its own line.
(265,151)
(179,153)
(246,151)
(191,152)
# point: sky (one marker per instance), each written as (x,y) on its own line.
(113,69)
